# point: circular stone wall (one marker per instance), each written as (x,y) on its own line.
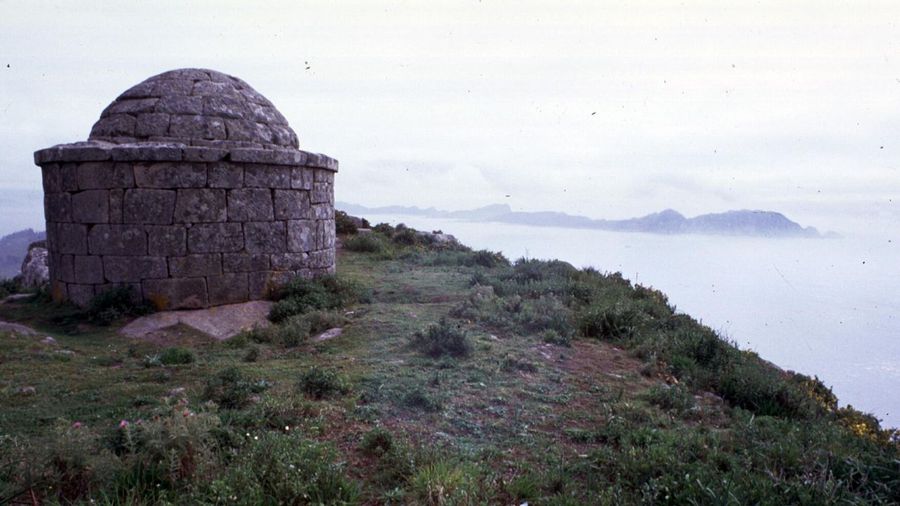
(186,224)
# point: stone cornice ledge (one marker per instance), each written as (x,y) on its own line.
(95,151)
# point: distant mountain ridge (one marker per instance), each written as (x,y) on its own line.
(13,248)
(669,221)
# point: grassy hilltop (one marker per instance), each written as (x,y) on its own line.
(459,378)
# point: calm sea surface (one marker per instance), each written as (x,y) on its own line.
(824,307)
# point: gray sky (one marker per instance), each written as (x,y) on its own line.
(607,109)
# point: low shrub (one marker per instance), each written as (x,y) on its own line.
(763,390)
(419,399)
(671,398)
(9,287)
(346,224)
(443,338)
(321,383)
(377,442)
(604,323)
(116,303)
(368,243)
(278,468)
(443,482)
(176,356)
(230,389)
(326,292)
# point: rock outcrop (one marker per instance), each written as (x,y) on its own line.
(35,267)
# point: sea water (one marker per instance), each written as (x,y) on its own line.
(824,307)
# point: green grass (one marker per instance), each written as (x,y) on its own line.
(459,378)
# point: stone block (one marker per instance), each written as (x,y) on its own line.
(197,127)
(252,204)
(325,234)
(58,291)
(301,178)
(323,211)
(116,205)
(167,240)
(228,288)
(321,259)
(71,238)
(173,85)
(323,176)
(292,205)
(267,176)
(225,106)
(51,177)
(264,284)
(216,238)
(130,106)
(226,175)
(115,239)
(150,124)
(200,206)
(180,105)
(122,269)
(288,261)
(184,293)
(80,295)
(88,269)
(214,88)
(170,175)
(148,152)
(321,194)
(90,206)
(68,177)
(149,206)
(283,136)
(265,114)
(265,236)
(301,235)
(116,125)
(58,207)
(245,262)
(191,266)
(134,290)
(203,154)
(65,269)
(140,90)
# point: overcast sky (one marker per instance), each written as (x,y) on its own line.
(606,109)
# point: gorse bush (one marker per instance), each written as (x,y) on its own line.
(442,338)
(368,243)
(345,224)
(176,356)
(277,468)
(230,389)
(9,287)
(443,482)
(116,303)
(419,399)
(296,330)
(377,442)
(608,323)
(326,292)
(321,383)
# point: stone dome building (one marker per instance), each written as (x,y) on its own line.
(192,191)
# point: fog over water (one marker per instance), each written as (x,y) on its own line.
(824,307)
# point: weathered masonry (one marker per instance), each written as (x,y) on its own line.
(191,190)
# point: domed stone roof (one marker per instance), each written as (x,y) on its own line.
(195,107)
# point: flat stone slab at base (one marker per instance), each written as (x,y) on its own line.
(16,328)
(219,322)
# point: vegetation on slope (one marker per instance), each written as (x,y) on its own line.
(459,378)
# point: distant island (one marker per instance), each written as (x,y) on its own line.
(669,221)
